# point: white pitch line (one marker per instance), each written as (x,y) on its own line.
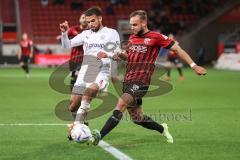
(33,124)
(114,151)
(104,145)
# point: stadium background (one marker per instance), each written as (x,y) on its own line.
(212,102)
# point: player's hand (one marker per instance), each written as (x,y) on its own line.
(199,70)
(116,57)
(64,26)
(101,55)
(31,55)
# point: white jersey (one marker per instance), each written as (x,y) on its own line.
(106,40)
(93,42)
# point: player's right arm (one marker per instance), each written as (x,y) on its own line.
(122,55)
(66,43)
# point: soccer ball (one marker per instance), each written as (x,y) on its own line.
(80,133)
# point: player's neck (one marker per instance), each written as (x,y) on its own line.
(145,31)
(83,27)
(100,27)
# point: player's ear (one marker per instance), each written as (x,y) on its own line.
(100,18)
(144,23)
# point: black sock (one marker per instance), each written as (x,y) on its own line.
(111,123)
(24,67)
(74,114)
(180,71)
(27,68)
(73,80)
(148,123)
(168,72)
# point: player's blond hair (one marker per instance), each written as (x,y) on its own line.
(141,13)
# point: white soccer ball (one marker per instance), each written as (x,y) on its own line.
(80,133)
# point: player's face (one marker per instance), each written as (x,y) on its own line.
(24,36)
(94,22)
(137,25)
(82,20)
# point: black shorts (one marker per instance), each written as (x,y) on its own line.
(136,90)
(175,61)
(25,59)
(74,66)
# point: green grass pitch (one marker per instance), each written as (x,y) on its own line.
(203,114)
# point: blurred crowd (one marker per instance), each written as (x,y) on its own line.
(161,17)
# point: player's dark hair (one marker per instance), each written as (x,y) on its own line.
(141,13)
(93,11)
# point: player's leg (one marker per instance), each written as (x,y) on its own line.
(168,67)
(90,93)
(75,103)
(26,63)
(22,63)
(139,118)
(74,69)
(179,68)
(125,100)
(73,79)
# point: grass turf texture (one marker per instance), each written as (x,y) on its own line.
(202,112)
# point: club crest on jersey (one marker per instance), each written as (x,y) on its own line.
(146,41)
(135,87)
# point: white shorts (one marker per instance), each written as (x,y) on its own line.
(84,80)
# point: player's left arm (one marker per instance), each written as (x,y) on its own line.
(185,57)
(31,49)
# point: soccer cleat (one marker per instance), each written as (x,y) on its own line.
(166,133)
(168,78)
(69,138)
(181,78)
(96,137)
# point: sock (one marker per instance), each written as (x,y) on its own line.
(74,114)
(73,80)
(180,71)
(82,111)
(27,69)
(148,123)
(24,67)
(111,123)
(168,72)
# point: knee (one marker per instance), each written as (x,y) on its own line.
(117,115)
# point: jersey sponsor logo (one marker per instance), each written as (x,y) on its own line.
(138,48)
(165,37)
(147,40)
(94,45)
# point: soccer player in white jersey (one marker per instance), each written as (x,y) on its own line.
(98,39)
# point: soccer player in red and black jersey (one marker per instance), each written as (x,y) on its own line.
(25,52)
(76,56)
(172,58)
(141,55)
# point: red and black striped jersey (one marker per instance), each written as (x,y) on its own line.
(76,52)
(26,47)
(142,53)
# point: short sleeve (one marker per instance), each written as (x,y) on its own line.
(164,41)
